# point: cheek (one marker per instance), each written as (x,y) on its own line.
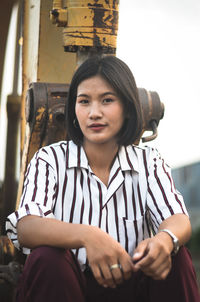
(119,114)
(80,115)
(77,112)
(76,109)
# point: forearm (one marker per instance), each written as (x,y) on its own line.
(102,250)
(34,231)
(179,224)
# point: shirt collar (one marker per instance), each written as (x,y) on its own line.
(76,157)
(128,158)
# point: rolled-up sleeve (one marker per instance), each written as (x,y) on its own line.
(163,200)
(38,197)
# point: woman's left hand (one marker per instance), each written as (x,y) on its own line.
(153,256)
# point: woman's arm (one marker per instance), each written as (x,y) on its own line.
(34,231)
(153,255)
(102,250)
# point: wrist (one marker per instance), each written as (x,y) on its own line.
(165,238)
(88,233)
(174,240)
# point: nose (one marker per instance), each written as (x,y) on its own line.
(95,111)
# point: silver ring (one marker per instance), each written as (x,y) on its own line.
(115,266)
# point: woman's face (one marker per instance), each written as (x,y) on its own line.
(99,111)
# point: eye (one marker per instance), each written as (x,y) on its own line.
(108,100)
(83,101)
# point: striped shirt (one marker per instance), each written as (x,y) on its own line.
(140,193)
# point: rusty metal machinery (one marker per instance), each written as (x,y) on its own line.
(152,112)
(12,270)
(45,106)
(45,113)
(88,25)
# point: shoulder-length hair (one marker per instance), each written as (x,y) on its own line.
(120,77)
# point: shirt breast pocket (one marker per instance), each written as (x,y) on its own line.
(131,233)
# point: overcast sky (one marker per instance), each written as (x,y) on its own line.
(160,41)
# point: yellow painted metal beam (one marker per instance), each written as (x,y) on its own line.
(87,24)
(44,60)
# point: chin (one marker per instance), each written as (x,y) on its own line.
(100,141)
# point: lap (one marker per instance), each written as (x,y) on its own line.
(47,266)
(180,285)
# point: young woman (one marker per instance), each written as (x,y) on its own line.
(89,204)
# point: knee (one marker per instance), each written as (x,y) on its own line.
(46,266)
(47,254)
(48,259)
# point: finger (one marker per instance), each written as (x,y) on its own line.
(108,276)
(158,270)
(163,273)
(154,257)
(140,251)
(149,256)
(98,275)
(127,269)
(146,261)
(117,275)
(159,273)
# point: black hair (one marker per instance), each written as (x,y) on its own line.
(120,77)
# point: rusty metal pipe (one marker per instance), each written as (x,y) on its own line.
(13,114)
(149,138)
(10,183)
(152,112)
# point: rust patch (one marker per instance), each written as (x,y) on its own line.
(95,4)
(98,18)
(115,3)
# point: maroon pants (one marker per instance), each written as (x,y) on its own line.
(52,274)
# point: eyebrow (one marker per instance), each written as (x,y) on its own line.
(102,95)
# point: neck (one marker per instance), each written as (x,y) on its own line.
(101,156)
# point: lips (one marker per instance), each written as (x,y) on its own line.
(97,126)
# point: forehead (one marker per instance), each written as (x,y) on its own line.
(95,84)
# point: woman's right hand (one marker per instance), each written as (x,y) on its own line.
(102,252)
